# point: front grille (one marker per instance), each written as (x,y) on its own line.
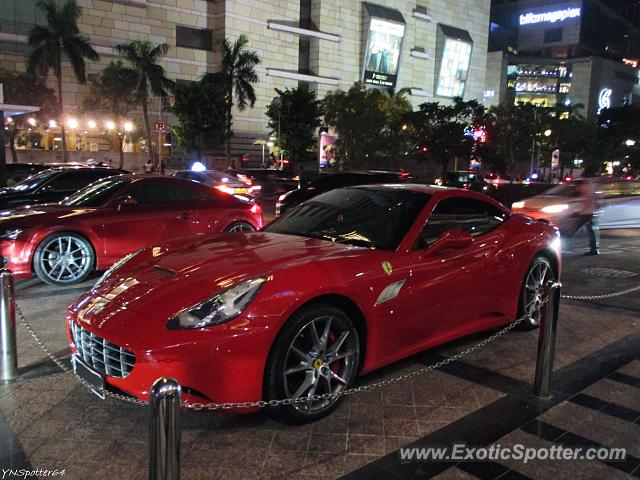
(103,356)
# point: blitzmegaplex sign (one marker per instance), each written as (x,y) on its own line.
(549,17)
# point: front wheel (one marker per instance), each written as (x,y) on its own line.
(539,273)
(317,352)
(236,227)
(63,259)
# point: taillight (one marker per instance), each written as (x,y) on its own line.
(255,209)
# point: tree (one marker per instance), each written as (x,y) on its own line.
(616,126)
(238,70)
(114,91)
(200,109)
(396,141)
(439,130)
(150,76)
(25,89)
(295,118)
(359,118)
(59,38)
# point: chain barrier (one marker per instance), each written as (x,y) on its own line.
(603,296)
(313,398)
(275,403)
(60,364)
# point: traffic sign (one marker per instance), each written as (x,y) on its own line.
(160,126)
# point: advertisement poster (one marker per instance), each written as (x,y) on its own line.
(383,53)
(327,150)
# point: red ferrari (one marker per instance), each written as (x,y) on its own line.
(94,228)
(343,284)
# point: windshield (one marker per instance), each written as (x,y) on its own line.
(34,181)
(95,194)
(368,217)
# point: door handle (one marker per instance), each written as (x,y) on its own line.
(184,216)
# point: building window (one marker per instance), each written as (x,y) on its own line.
(200,39)
(454,57)
(553,35)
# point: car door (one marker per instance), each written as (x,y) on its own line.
(160,212)
(455,287)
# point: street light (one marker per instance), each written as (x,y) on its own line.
(630,143)
(110,125)
(128,127)
(547,132)
(72,123)
(91,123)
(31,121)
(53,124)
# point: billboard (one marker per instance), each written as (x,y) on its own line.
(382,54)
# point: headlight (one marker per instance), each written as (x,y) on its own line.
(115,267)
(560,207)
(517,205)
(10,234)
(220,308)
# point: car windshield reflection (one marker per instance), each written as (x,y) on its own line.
(93,195)
(360,216)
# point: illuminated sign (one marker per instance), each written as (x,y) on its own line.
(383,53)
(604,99)
(549,17)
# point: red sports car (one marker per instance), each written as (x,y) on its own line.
(345,283)
(94,228)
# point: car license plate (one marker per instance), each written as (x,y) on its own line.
(88,374)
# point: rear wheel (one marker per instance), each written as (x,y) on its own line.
(240,227)
(63,259)
(539,273)
(316,353)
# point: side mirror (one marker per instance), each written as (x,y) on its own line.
(125,201)
(451,239)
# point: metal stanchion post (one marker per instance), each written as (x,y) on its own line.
(164,430)
(8,350)
(547,340)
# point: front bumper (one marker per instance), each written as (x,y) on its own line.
(16,256)
(219,364)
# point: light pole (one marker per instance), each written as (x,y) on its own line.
(277,102)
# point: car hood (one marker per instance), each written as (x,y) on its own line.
(164,279)
(38,214)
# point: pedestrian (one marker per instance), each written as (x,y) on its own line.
(163,166)
(148,167)
(588,215)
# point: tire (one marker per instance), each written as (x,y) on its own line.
(64,258)
(237,227)
(291,374)
(531,291)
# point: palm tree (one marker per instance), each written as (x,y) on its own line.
(59,38)
(239,72)
(143,57)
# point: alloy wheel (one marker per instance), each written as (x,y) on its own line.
(539,274)
(321,359)
(65,259)
(240,227)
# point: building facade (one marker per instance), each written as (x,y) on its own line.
(568,53)
(430,49)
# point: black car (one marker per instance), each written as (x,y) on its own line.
(16,172)
(268,184)
(52,185)
(329,181)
